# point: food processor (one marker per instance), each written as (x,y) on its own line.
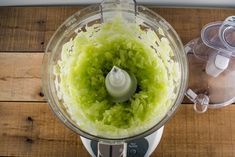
(76,45)
(213,53)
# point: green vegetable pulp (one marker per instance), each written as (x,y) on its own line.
(87,59)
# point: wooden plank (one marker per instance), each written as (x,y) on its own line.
(21,30)
(198,135)
(188,22)
(30,129)
(20,76)
(29,29)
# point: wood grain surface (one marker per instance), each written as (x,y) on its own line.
(29,128)
(29,29)
(20,76)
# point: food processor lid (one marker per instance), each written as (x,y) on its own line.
(213,85)
(220,36)
(217,45)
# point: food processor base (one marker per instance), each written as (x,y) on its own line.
(141,147)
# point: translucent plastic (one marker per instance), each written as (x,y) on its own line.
(94,15)
(213,54)
(120,85)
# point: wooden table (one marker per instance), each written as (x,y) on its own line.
(29,128)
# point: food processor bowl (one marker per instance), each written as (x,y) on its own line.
(99,14)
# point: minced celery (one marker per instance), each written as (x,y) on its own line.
(87,59)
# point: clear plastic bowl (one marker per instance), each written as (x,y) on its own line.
(90,16)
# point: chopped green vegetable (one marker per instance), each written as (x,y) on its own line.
(87,59)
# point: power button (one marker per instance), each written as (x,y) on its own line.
(133,151)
